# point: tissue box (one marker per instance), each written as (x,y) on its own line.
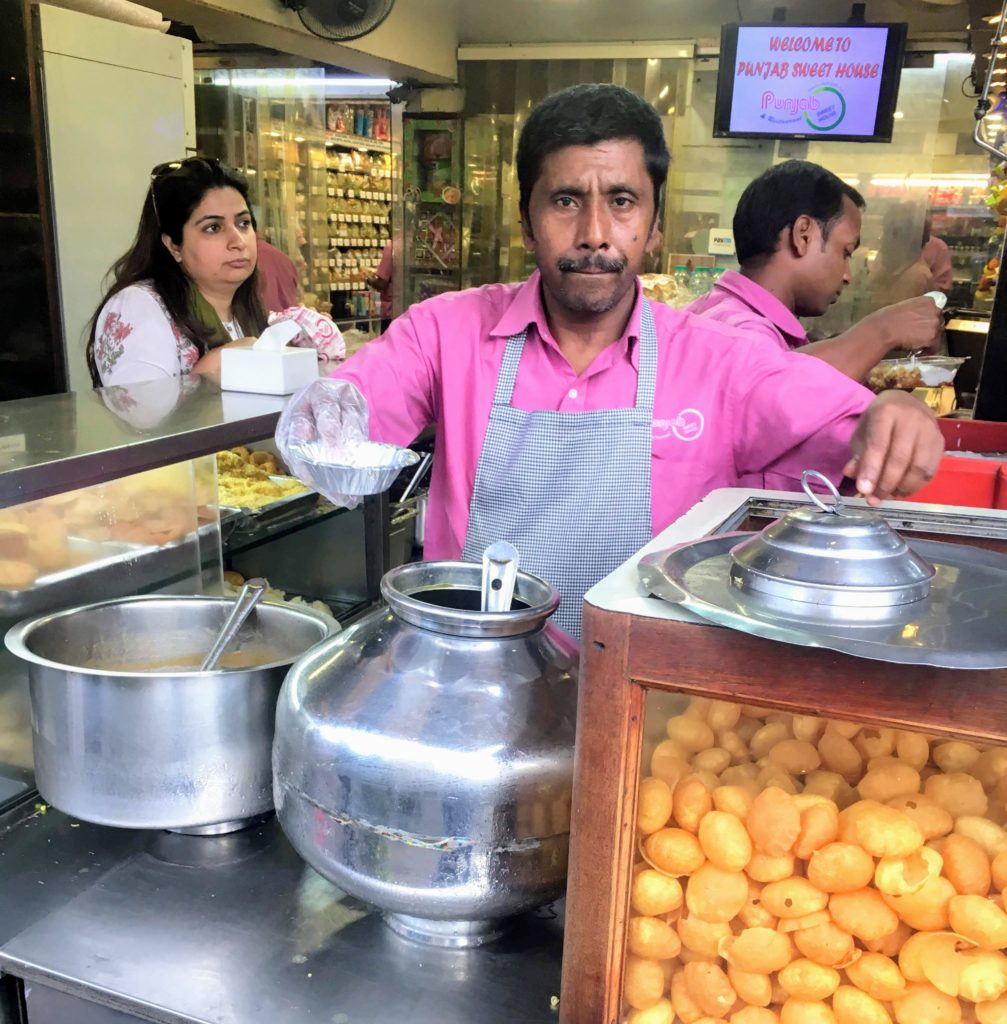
(269,367)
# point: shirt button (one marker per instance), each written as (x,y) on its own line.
(572,393)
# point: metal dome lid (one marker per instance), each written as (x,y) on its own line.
(835,559)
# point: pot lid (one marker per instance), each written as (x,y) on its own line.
(836,560)
(792,583)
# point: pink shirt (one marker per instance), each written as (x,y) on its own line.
(723,406)
(938,258)
(739,302)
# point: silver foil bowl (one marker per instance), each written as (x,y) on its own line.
(831,563)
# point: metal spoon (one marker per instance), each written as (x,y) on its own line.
(500,564)
(249,597)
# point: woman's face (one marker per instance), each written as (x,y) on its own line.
(218,242)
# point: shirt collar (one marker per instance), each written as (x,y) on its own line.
(763,302)
(526,310)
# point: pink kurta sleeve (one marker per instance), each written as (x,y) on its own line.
(793,413)
(397,374)
(135,340)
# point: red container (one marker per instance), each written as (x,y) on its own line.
(962,481)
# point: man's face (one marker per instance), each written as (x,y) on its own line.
(590,219)
(825,264)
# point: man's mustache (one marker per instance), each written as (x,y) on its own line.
(610,265)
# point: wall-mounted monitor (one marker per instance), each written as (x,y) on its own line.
(836,82)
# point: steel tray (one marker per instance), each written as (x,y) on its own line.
(115,569)
(960,625)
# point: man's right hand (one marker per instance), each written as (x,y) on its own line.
(913,324)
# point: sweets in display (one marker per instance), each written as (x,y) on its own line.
(252,479)
(794,870)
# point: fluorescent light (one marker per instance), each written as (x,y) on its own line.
(303,82)
(898,115)
(663,92)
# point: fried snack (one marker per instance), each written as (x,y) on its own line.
(16,575)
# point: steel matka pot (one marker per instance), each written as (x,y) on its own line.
(423,759)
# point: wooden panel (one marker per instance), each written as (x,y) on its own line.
(725,663)
(606,771)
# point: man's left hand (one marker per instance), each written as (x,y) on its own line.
(896,448)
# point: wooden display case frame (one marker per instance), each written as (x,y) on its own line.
(624,656)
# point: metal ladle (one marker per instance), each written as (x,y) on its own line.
(500,564)
(251,594)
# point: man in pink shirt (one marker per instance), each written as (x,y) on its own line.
(575,417)
(795,229)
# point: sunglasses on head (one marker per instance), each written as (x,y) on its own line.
(163,170)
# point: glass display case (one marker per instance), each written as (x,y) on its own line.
(432,194)
(155,488)
(773,832)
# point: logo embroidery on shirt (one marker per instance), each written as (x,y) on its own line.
(688,425)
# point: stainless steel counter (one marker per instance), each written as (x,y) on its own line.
(236,930)
(61,442)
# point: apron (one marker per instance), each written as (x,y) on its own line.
(571,491)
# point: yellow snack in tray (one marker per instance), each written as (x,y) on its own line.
(766,737)
(690,732)
(931,819)
(653,805)
(754,1015)
(716,895)
(804,979)
(863,913)
(990,836)
(840,867)
(839,755)
(819,826)
(890,945)
(736,800)
(874,741)
(669,762)
(661,1012)
(674,850)
(652,938)
(803,1011)
(998,870)
(722,714)
(877,975)
(714,760)
(990,767)
(901,876)
(966,865)
(773,822)
(955,756)
(793,898)
(643,982)
(889,782)
(758,950)
(725,841)
(654,893)
(686,1008)
(924,1004)
(753,914)
(798,757)
(796,924)
(926,909)
(959,794)
(752,987)
(937,956)
(702,937)
(992,1011)
(691,801)
(979,919)
(709,988)
(854,1006)
(764,868)
(826,944)
(882,831)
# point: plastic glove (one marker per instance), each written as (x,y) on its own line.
(322,437)
(318,331)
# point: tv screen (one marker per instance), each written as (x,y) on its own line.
(809,81)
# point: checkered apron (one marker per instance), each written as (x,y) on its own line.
(571,491)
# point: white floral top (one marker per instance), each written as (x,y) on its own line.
(136,339)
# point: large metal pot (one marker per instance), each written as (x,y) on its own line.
(179,749)
(423,758)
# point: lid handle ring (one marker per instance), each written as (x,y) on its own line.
(834,509)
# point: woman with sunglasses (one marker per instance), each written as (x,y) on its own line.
(187,286)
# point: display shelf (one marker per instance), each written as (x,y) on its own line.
(357,142)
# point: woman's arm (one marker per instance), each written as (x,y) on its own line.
(209,365)
(135,340)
